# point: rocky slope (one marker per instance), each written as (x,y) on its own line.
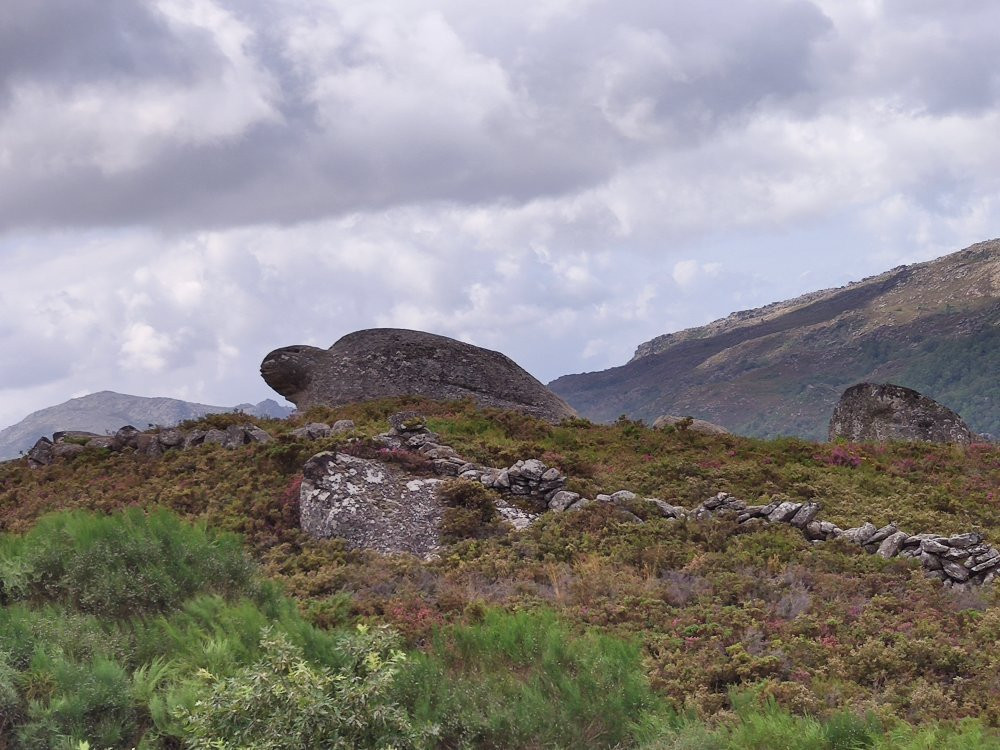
(780,369)
(107,411)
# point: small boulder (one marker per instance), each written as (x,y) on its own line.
(312,431)
(172,438)
(67,450)
(562,500)
(342,425)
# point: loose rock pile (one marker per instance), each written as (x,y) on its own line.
(152,444)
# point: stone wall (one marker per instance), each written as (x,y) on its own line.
(151,443)
(956,559)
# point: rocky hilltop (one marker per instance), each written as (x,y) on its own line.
(386,362)
(780,369)
(106,411)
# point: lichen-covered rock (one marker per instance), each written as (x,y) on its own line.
(871,413)
(370,504)
(385,362)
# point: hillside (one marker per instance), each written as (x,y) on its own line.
(106,411)
(586,630)
(779,369)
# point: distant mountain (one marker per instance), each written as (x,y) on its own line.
(107,411)
(780,369)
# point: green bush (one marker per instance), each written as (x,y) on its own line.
(526,680)
(284,702)
(120,566)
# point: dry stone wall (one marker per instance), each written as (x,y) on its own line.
(955,559)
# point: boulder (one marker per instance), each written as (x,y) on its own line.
(67,450)
(871,413)
(147,444)
(126,437)
(690,424)
(312,431)
(171,438)
(41,453)
(386,362)
(369,504)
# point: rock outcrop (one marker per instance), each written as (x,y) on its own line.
(689,423)
(872,413)
(104,412)
(67,445)
(370,504)
(385,362)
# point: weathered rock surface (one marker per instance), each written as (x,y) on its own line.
(869,412)
(694,425)
(384,362)
(370,504)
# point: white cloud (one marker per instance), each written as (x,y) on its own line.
(187,184)
(145,348)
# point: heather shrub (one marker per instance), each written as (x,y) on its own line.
(470,511)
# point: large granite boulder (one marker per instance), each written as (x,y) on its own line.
(384,362)
(370,505)
(688,423)
(870,412)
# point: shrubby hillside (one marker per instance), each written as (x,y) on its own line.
(172,602)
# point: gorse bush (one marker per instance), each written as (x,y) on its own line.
(120,566)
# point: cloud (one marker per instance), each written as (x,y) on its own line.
(186,184)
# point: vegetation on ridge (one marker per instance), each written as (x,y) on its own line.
(582,631)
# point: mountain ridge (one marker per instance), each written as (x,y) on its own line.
(778,369)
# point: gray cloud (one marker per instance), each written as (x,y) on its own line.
(186,184)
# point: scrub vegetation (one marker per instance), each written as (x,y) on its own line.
(173,602)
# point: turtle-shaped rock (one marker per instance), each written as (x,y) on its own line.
(385,362)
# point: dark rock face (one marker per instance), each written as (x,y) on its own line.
(385,362)
(868,412)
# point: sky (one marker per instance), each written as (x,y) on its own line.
(186,185)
